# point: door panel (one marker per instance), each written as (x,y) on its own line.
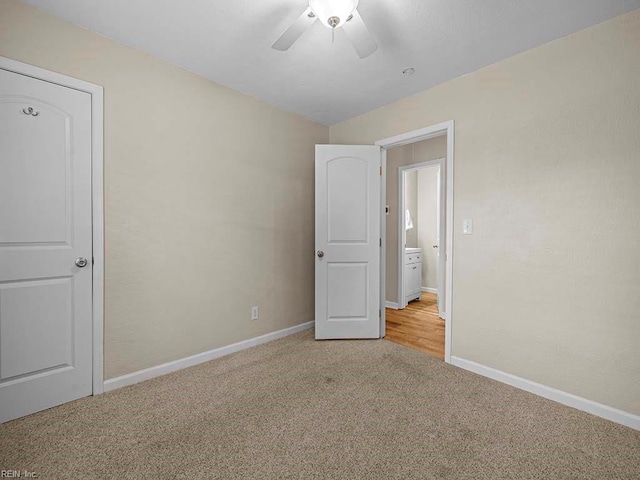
(34,216)
(37,314)
(347,197)
(45,225)
(348,235)
(347,291)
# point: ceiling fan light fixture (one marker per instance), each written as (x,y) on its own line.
(333,13)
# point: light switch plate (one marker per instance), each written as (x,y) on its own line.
(467,226)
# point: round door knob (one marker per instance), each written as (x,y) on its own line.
(81,262)
(320,253)
(435,246)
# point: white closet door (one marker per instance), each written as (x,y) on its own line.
(45,236)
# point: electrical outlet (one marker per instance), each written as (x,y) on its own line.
(254,313)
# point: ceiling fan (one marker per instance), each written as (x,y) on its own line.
(333,14)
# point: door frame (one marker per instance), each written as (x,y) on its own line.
(444,128)
(402,233)
(97,202)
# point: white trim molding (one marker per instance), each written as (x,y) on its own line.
(169,367)
(383,242)
(416,135)
(603,411)
(392,305)
(97,192)
(429,290)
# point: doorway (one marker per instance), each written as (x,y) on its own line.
(421,225)
(415,319)
(417,311)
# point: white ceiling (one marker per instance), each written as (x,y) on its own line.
(229,41)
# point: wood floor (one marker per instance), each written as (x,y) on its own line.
(418,326)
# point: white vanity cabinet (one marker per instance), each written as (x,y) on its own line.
(412,274)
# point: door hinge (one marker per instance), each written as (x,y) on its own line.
(380,171)
(379,313)
(93,260)
(381,243)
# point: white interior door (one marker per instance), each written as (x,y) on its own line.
(45,232)
(347,241)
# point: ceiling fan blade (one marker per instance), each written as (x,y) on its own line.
(292,33)
(360,37)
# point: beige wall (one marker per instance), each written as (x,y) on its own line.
(208,198)
(547,162)
(411,204)
(423,151)
(428,206)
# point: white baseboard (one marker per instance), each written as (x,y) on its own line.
(579,403)
(152,372)
(429,290)
(392,305)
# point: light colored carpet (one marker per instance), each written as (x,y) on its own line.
(296,408)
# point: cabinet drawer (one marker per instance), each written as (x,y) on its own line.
(412,258)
